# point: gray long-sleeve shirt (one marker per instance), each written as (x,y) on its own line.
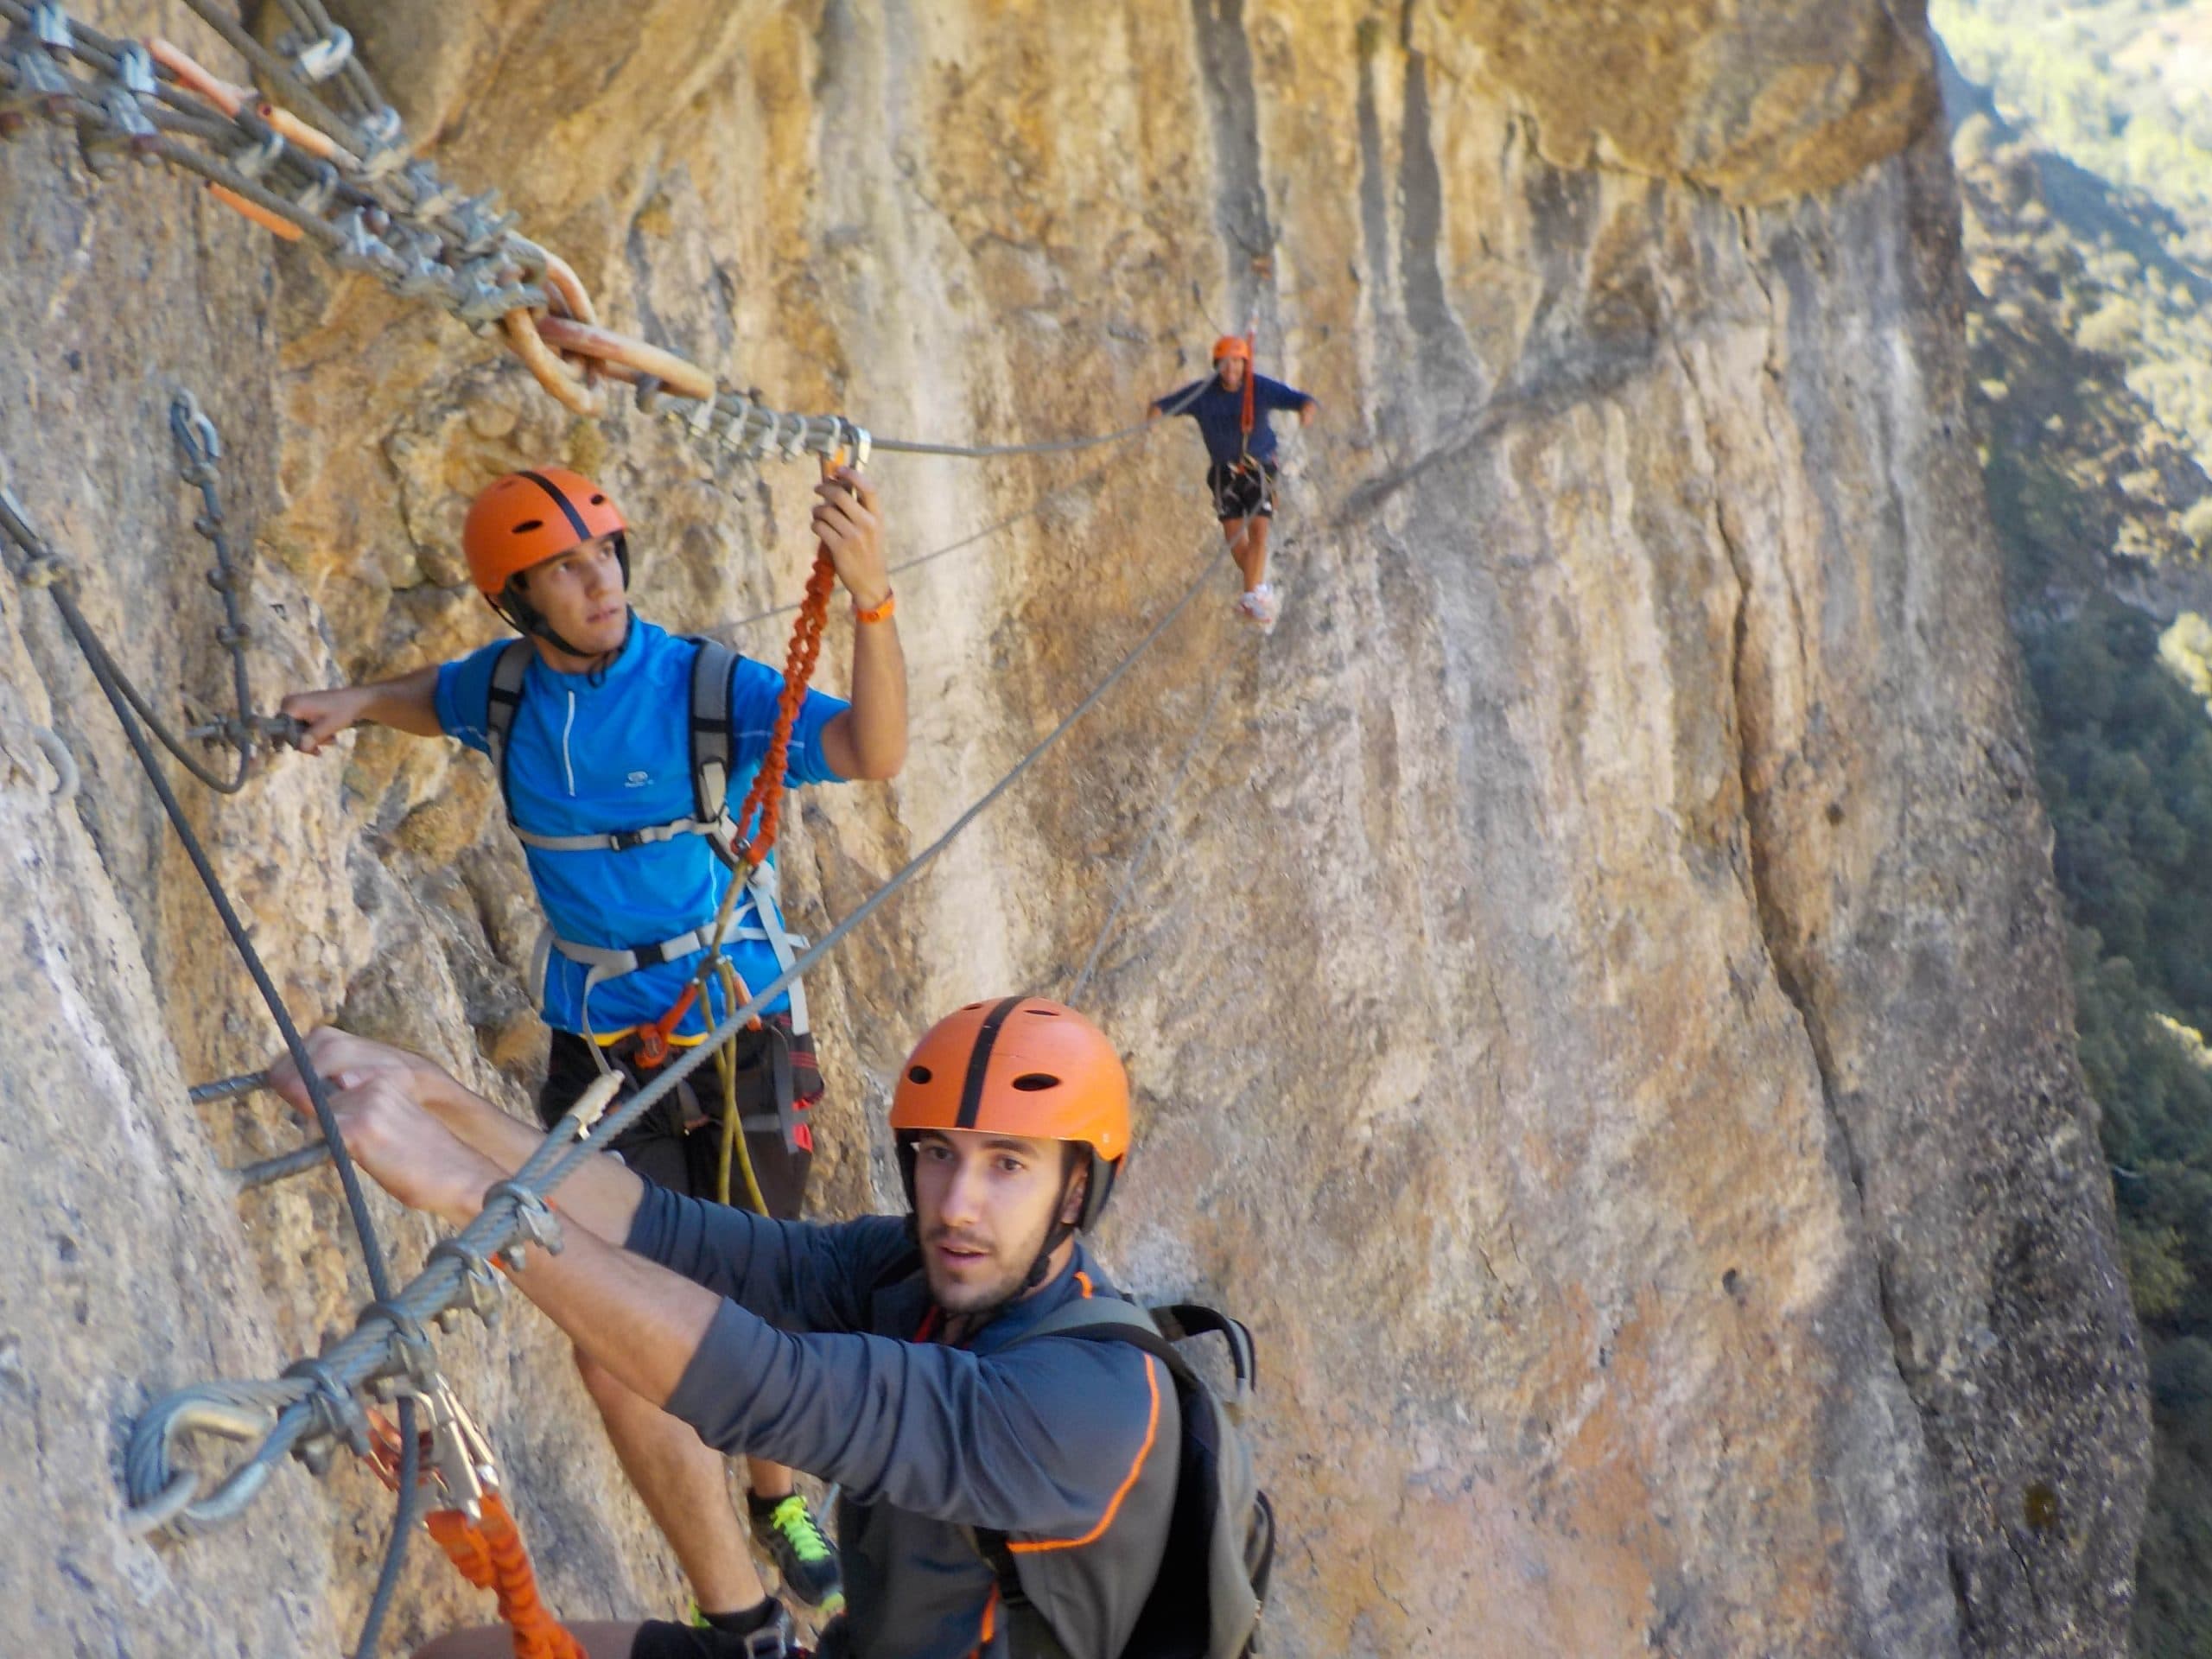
(1068,1446)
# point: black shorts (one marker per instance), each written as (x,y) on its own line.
(1242,489)
(678,1145)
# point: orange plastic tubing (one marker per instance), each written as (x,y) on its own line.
(490,1556)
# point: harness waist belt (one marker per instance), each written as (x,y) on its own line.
(619,841)
(612,961)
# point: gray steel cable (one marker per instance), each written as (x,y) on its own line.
(47,569)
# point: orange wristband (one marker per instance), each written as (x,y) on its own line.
(877,613)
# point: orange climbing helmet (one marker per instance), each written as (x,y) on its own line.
(1232,345)
(1022,1066)
(526,518)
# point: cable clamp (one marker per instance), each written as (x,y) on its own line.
(326,57)
(480,1286)
(387,151)
(50,28)
(41,79)
(433,195)
(337,1412)
(262,152)
(733,410)
(534,1220)
(134,66)
(418,1358)
(318,195)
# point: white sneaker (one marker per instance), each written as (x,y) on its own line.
(1263,606)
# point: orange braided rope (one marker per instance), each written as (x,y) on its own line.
(491,1556)
(766,795)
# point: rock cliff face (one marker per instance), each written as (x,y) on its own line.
(1596,1002)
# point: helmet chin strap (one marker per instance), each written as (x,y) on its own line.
(1057,1234)
(523,617)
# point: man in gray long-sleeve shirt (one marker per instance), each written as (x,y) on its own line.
(882,1353)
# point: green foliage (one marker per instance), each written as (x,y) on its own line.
(2125,754)
(2097,82)
(2117,89)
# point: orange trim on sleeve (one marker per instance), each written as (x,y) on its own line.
(1151,1432)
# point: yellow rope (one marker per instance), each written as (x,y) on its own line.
(734,995)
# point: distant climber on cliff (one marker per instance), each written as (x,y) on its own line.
(616,745)
(1231,410)
(981,1450)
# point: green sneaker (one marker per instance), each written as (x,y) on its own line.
(793,1539)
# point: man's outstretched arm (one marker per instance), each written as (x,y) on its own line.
(408,703)
(602,1196)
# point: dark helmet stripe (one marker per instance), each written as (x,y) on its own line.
(576,519)
(978,1061)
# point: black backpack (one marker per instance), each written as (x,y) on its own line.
(1221,1536)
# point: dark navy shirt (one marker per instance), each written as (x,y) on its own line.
(820,1359)
(1220,413)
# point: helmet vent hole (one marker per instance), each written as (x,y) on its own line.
(1044,1013)
(917,1074)
(598,500)
(1031,1083)
(528,524)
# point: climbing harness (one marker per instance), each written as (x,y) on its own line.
(472,1522)
(762,815)
(711,754)
(1245,346)
(41,565)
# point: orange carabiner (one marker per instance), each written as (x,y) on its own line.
(653,1045)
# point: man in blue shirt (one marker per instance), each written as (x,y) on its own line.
(1231,410)
(591,731)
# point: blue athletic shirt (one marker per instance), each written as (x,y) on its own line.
(1219,413)
(595,753)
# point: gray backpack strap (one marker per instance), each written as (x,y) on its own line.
(502,699)
(1128,1323)
(713,755)
(713,744)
